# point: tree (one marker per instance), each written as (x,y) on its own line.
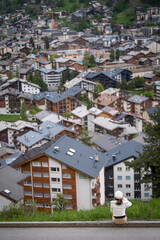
(23,114)
(59,203)
(86,59)
(92,61)
(112,55)
(85,138)
(117,54)
(98,88)
(39,81)
(10,75)
(31,41)
(148,162)
(46,40)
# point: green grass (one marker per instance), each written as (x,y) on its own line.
(138,211)
(126,17)
(9,118)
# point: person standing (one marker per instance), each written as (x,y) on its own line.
(118,207)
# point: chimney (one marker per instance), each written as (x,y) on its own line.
(96,157)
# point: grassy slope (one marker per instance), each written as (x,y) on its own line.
(138,211)
(9,118)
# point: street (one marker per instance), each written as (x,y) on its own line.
(79,233)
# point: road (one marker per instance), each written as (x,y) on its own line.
(79,233)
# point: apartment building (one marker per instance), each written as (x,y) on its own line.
(120,177)
(64,166)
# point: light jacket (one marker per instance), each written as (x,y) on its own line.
(119,210)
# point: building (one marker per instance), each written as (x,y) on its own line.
(51,77)
(120,177)
(21,85)
(157,90)
(58,103)
(65,166)
(137,104)
(11,100)
(10,189)
(9,131)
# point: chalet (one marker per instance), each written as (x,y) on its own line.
(137,104)
(58,103)
(65,166)
(11,100)
(104,100)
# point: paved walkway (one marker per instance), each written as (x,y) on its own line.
(82,233)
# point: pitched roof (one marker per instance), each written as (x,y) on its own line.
(123,152)
(78,156)
(9,179)
(137,99)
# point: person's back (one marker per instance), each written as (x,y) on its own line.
(118,207)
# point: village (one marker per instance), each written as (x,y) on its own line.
(78,103)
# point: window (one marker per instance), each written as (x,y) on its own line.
(128,185)
(28,183)
(44,164)
(56,189)
(119,169)
(110,177)
(46,195)
(67,186)
(45,174)
(119,177)
(36,164)
(54,169)
(127,169)
(68,206)
(119,185)
(46,185)
(37,184)
(55,179)
(27,193)
(37,174)
(128,194)
(47,205)
(128,178)
(27,172)
(146,194)
(66,175)
(38,194)
(39,205)
(68,196)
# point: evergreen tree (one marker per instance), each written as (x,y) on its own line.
(31,41)
(92,61)
(99,88)
(117,54)
(85,138)
(46,40)
(23,115)
(38,80)
(112,55)
(148,162)
(10,75)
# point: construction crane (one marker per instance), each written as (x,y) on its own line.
(52,17)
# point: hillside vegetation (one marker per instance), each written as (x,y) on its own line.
(138,211)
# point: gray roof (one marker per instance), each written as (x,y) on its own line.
(31,138)
(108,142)
(123,152)
(9,179)
(137,99)
(55,97)
(83,159)
(9,159)
(50,129)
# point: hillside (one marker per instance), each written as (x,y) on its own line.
(123,10)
